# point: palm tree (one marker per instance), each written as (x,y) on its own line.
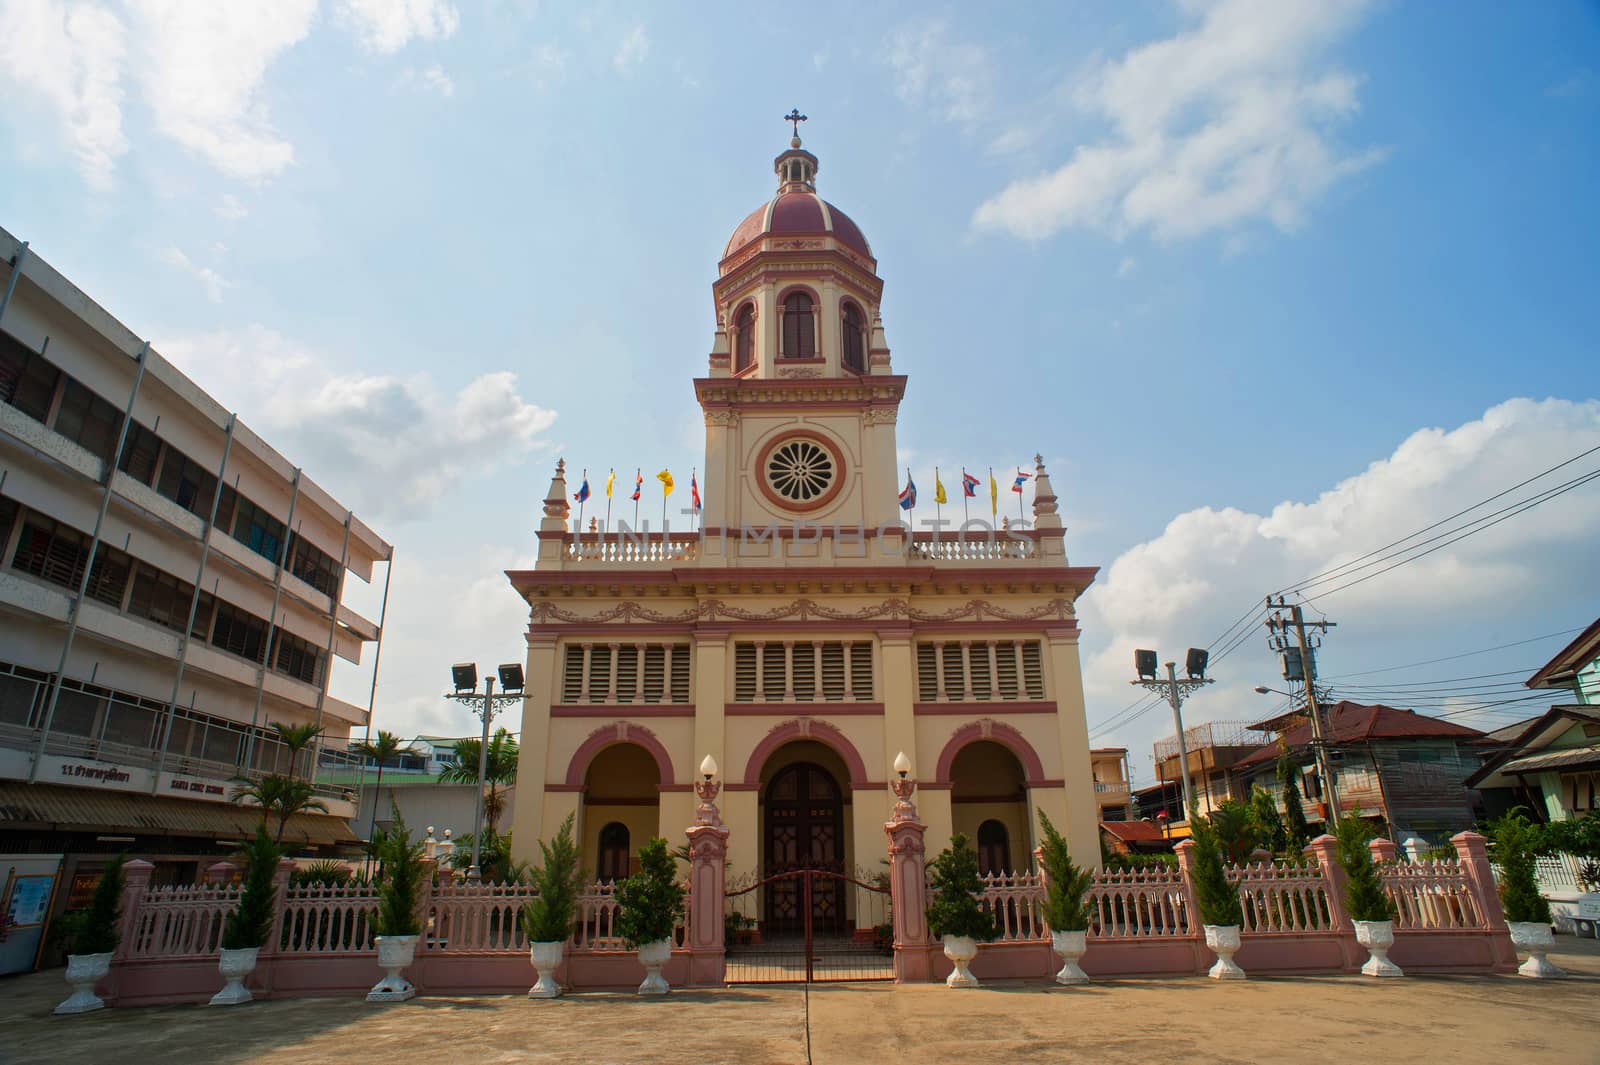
(501,768)
(280,796)
(381,750)
(297,738)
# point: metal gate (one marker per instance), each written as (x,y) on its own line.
(809,925)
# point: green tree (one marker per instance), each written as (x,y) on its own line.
(94,930)
(282,797)
(954,910)
(1218,899)
(1235,830)
(381,750)
(251,923)
(650,901)
(1296,833)
(500,770)
(1065,909)
(1265,820)
(547,918)
(399,880)
(1516,843)
(1364,896)
(296,738)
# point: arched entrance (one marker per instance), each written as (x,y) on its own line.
(805,814)
(621,809)
(989,805)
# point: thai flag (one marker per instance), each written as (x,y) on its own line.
(583,492)
(638,486)
(908,497)
(694,490)
(1016,486)
(969,485)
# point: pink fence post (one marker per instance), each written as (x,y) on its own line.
(1191,904)
(908,887)
(1472,852)
(135,886)
(280,905)
(221,873)
(1326,849)
(1383,850)
(708,855)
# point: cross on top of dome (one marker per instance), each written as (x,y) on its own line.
(794,118)
(796,168)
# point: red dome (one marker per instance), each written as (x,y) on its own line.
(798,213)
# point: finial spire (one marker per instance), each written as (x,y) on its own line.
(794,118)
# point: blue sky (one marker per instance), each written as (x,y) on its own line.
(1214,261)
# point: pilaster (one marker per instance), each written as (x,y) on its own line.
(1082,824)
(532,774)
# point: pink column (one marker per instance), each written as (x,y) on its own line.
(1191,905)
(135,885)
(266,959)
(708,853)
(1326,849)
(1472,851)
(908,888)
(1383,850)
(221,873)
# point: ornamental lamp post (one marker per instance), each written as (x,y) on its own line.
(465,677)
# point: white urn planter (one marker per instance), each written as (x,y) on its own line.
(1070,946)
(235,965)
(83,972)
(1223,939)
(961,950)
(545,957)
(394,954)
(1535,938)
(1377,937)
(653,956)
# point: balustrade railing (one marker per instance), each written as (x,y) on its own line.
(1137,904)
(632,547)
(1431,894)
(479,917)
(973,547)
(1016,900)
(180,922)
(1282,897)
(328,919)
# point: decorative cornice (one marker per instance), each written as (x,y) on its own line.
(977,610)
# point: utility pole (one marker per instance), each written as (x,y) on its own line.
(1308,672)
(1175,691)
(484,706)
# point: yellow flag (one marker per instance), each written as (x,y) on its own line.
(665,478)
(938,488)
(611,479)
(994,495)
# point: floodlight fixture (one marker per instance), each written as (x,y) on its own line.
(511,677)
(1195,663)
(465,676)
(1144,663)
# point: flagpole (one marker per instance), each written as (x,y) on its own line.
(911,511)
(609,484)
(994,505)
(581,503)
(938,511)
(694,508)
(638,479)
(964,516)
(1020,516)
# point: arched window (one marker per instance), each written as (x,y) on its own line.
(855,340)
(614,852)
(799,328)
(994,848)
(744,338)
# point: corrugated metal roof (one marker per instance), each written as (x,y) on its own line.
(1572,756)
(80,809)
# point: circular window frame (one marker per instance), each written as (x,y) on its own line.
(835,452)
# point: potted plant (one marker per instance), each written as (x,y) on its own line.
(954,913)
(1220,911)
(1364,898)
(91,939)
(649,903)
(1065,910)
(1516,847)
(396,926)
(249,925)
(547,918)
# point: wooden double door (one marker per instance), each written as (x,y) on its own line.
(803,828)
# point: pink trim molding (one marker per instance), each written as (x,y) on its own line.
(610,736)
(999,732)
(806,728)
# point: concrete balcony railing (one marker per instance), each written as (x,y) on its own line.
(636,549)
(1110,788)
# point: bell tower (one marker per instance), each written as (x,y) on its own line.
(800,399)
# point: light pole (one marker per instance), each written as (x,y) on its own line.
(465,677)
(1176,691)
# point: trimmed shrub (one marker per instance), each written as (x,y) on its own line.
(1218,899)
(954,910)
(548,917)
(650,901)
(1065,909)
(1364,896)
(1516,842)
(400,880)
(94,930)
(251,923)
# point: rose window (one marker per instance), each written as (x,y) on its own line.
(801,471)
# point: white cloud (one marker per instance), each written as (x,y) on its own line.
(202,69)
(386,26)
(389,446)
(431,79)
(72,56)
(1226,123)
(1208,566)
(633,50)
(548,63)
(209,279)
(1127,267)
(952,77)
(230,209)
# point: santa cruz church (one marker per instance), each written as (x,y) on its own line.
(803,635)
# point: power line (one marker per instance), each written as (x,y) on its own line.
(1316,578)
(1463,654)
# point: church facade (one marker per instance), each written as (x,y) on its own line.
(803,635)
